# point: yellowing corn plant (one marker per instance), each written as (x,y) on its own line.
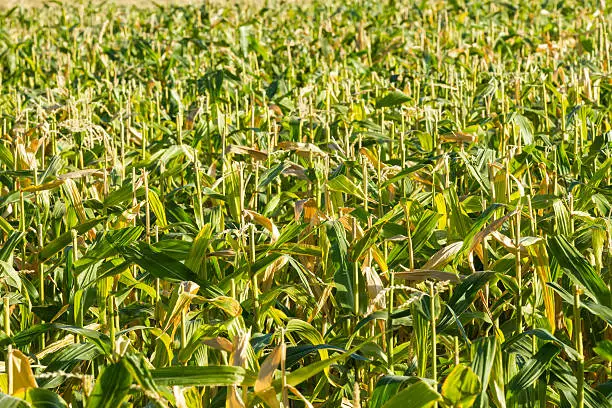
(360,203)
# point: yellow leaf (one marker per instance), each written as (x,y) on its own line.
(228,305)
(265,222)
(42,187)
(126,218)
(233,398)
(181,299)
(298,394)
(443,257)
(219,343)
(372,158)
(23,378)
(3,383)
(74,196)
(254,153)
(539,258)
(380,259)
(266,372)
(459,137)
(441,208)
(263,385)
(302,149)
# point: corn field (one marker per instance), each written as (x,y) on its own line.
(360,203)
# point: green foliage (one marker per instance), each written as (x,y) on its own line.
(461,387)
(358,203)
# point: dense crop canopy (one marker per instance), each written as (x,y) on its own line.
(329,203)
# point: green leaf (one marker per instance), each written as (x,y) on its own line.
(305,330)
(404,173)
(7,248)
(124,193)
(595,308)
(10,275)
(186,376)
(6,401)
(43,398)
(196,258)
(158,209)
(343,275)
(388,386)
(565,381)
(604,349)
(304,373)
(5,226)
(63,240)
(6,156)
(392,99)
(461,387)
(364,243)
(137,365)
(477,226)
(423,230)
(483,356)
(470,162)
(24,337)
(417,395)
(269,175)
(163,266)
(345,185)
(525,127)
(534,367)
(464,295)
(543,334)
(112,387)
(459,221)
(294,354)
(234,191)
(578,268)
